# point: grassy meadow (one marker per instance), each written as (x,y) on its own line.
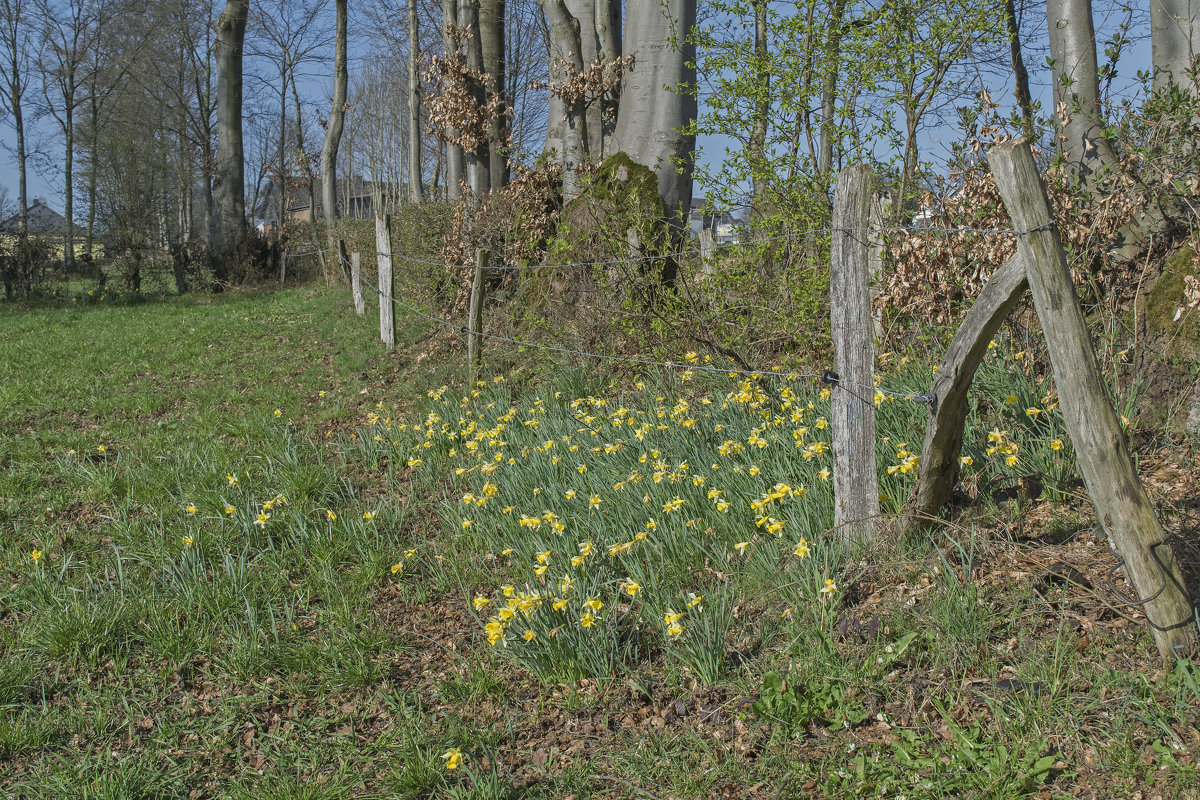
(246,552)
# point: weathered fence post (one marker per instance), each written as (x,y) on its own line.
(340,255)
(1122,506)
(855,480)
(948,395)
(360,305)
(282,269)
(475,318)
(707,242)
(383,250)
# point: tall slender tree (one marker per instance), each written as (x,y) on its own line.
(1174,43)
(68,34)
(1082,142)
(658,99)
(230,187)
(15,52)
(491,46)
(455,158)
(337,123)
(416,188)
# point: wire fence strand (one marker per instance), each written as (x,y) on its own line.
(911,229)
(829,378)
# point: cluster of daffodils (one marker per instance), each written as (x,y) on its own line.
(604,511)
(673,620)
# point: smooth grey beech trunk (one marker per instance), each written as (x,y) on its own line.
(1077,87)
(491,48)
(455,166)
(1174,42)
(608,35)
(573,39)
(229,219)
(568,123)
(658,98)
(478,162)
(416,188)
(333,134)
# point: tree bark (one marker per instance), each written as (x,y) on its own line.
(478,160)
(1077,88)
(658,100)
(69,189)
(229,190)
(455,158)
(416,188)
(565,46)
(333,134)
(491,44)
(608,36)
(1020,74)
(829,90)
(762,107)
(1174,42)
(16,67)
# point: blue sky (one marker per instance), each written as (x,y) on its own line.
(46,182)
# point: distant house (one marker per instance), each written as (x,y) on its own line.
(356,200)
(724,225)
(43,221)
(47,225)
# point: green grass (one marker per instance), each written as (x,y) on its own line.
(253,580)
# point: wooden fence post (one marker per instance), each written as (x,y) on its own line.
(855,479)
(282,269)
(360,306)
(340,255)
(1122,506)
(948,406)
(475,318)
(383,250)
(707,243)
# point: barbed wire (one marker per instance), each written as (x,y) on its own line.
(828,377)
(912,229)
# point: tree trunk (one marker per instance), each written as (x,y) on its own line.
(416,189)
(608,35)
(333,134)
(565,47)
(829,91)
(762,108)
(491,43)
(1020,75)
(455,166)
(281,170)
(1077,88)
(229,191)
(478,160)
(69,191)
(653,108)
(1174,42)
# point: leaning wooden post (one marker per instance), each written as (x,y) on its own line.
(855,480)
(947,397)
(1122,506)
(383,251)
(360,305)
(475,317)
